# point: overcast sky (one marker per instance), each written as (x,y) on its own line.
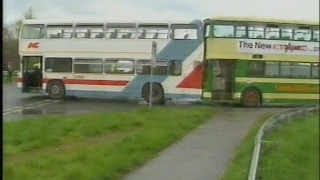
(161,10)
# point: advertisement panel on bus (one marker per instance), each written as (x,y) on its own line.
(268,49)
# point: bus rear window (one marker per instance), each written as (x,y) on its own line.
(32,31)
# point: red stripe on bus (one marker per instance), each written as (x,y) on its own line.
(95,82)
(88,82)
(194,79)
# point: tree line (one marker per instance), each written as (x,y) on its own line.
(10,32)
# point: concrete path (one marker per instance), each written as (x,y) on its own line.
(203,154)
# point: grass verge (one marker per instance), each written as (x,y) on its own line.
(239,166)
(102,146)
(297,156)
(295,160)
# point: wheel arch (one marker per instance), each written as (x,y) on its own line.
(146,85)
(254,88)
(53,80)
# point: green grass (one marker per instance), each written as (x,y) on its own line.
(239,166)
(295,160)
(102,146)
(297,156)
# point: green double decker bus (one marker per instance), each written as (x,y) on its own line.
(256,61)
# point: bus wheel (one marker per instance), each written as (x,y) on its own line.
(251,98)
(56,90)
(157,94)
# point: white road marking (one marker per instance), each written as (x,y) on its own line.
(38,103)
(18,107)
(17,110)
(7,110)
(28,106)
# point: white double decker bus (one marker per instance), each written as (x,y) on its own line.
(101,59)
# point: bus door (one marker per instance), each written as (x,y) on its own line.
(31,70)
(222,79)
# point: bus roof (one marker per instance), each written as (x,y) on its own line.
(266,20)
(84,21)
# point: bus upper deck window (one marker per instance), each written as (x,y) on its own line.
(32,31)
(256,31)
(286,33)
(272,31)
(89,31)
(315,36)
(153,31)
(120,31)
(56,31)
(223,30)
(302,33)
(241,31)
(184,31)
(125,33)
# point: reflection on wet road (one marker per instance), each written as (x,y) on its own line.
(69,107)
(13,98)
(19,106)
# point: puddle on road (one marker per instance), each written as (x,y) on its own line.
(32,111)
(39,111)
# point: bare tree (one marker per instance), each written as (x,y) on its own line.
(27,15)
(10,46)
(10,34)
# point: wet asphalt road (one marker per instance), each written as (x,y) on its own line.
(19,106)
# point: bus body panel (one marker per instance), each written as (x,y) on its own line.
(282,70)
(92,47)
(189,52)
(276,90)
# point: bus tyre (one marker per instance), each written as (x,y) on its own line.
(56,90)
(251,98)
(157,94)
